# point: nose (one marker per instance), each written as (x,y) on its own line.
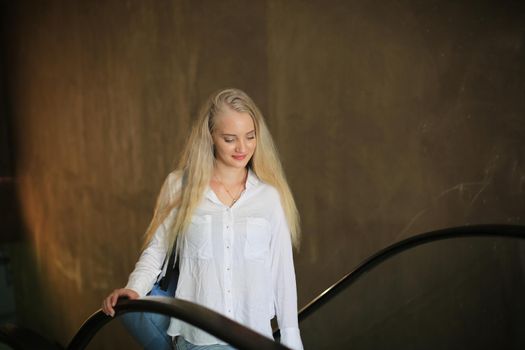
(240,147)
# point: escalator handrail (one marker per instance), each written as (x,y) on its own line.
(507,231)
(217,325)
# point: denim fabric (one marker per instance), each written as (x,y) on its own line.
(149,329)
(183,344)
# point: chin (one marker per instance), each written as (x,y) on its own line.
(239,165)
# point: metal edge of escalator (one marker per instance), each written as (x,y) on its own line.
(494,230)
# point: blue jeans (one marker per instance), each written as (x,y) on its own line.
(183,344)
(149,329)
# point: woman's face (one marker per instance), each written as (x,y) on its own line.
(234,138)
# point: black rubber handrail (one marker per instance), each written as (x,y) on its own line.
(507,231)
(243,338)
(217,325)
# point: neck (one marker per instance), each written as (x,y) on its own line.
(229,175)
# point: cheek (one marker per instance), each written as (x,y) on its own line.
(220,149)
(224,146)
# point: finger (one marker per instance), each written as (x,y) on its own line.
(114,297)
(109,307)
(106,307)
(110,304)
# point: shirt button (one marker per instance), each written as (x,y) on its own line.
(228,290)
(227,226)
(228,268)
(228,247)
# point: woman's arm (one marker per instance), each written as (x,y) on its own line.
(283,275)
(150,263)
(143,277)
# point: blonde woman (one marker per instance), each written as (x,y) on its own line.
(229,215)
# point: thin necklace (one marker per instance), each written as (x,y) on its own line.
(234,198)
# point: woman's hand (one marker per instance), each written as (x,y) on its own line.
(111,300)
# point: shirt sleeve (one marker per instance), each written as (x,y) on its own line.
(149,265)
(151,261)
(283,281)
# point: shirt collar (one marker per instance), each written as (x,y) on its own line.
(252,179)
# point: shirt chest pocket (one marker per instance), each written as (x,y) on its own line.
(257,238)
(197,239)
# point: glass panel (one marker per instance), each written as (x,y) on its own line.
(113,336)
(134,330)
(463,293)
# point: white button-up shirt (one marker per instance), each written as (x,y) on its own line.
(234,260)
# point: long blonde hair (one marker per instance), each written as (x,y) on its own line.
(184,188)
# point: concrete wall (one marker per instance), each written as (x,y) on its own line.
(392,118)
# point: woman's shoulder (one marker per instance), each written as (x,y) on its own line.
(269,192)
(174,178)
(173,183)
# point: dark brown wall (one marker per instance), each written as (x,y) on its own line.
(392,118)
(411,115)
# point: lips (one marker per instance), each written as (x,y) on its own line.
(239,157)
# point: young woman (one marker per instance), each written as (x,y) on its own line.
(230,217)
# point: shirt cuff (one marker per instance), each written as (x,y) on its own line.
(291,337)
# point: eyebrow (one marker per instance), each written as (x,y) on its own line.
(249,132)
